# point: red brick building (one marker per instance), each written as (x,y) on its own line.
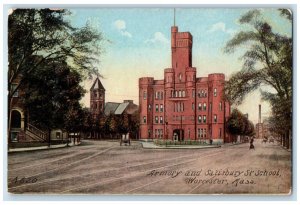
(183,106)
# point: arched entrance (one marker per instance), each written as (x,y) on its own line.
(15,119)
(178,134)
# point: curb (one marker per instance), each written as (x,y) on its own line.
(28,149)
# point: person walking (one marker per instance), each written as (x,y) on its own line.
(251,143)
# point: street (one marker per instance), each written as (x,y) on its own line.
(105,167)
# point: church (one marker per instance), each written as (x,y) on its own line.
(182,106)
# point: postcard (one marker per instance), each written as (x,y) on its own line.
(150,101)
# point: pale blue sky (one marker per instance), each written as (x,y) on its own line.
(139,45)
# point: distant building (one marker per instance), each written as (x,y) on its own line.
(182,106)
(259,130)
(127,107)
(259,126)
(101,109)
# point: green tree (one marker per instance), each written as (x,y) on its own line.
(123,123)
(111,125)
(52,97)
(238,124)
(37,36)
(267,63)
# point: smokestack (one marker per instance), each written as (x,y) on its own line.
(259,113)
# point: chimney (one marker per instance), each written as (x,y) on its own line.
(259,113)
(128,101)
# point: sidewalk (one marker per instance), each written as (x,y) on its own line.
(25,149)
(151,145)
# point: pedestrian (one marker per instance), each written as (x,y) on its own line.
(251,143)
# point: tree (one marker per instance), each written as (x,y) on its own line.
(267,62)
(238,124)
(123,123)
(37,36)
(52,97)
(111,124)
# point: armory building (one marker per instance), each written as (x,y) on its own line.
(183,106)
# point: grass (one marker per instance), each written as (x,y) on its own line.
(172,143)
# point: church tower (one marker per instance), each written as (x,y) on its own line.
(97,98)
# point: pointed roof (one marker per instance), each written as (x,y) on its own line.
(110,107)
(97,85)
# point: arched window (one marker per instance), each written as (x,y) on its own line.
(199,106)
(15,119)
(183,93)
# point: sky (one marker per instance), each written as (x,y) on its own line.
(137,44)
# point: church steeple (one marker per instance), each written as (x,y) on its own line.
(97,98)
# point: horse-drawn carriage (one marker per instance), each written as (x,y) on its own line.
(125,139)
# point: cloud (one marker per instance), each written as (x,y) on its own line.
(220,26)
(158,37)
(120,25)
(126,33)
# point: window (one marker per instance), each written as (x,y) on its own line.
(156,133)
(199,106)
(156,108)
(145,95)
(193,93)
(215,118)
(180,77)
(156,119)
(220,132)
(176,93)
(144,119)
(204,132)
(199,133)
(95,94)
(180,93)
(204,106)
(193,106)
(57,135)
(162,95)
(204,118)
(149,107)
(156,95)
(13,88)
(210,106)
(220,106)
(161,120)
(215,92)
(202,93)
(199,119)
(183,93)
(161,108)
